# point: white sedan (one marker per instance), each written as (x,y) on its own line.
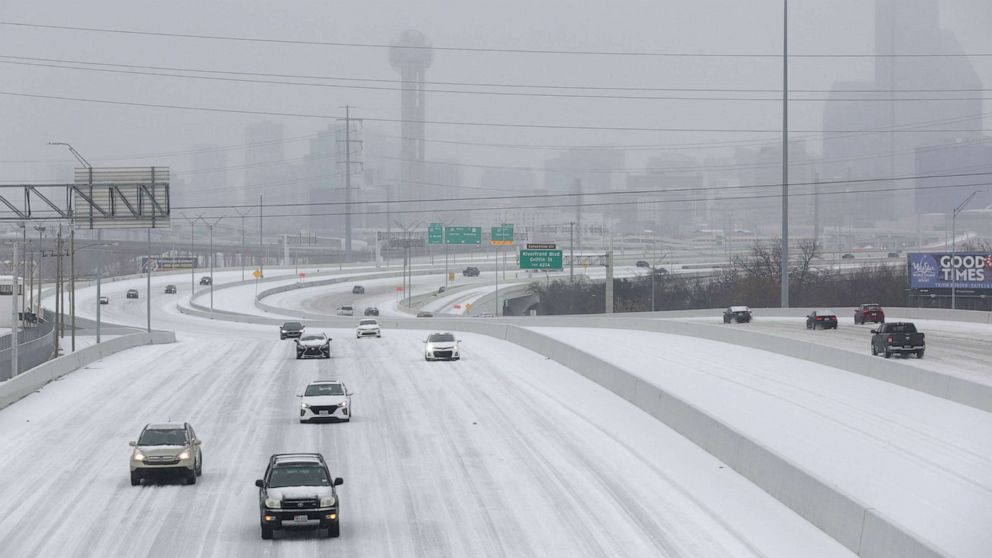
(325,400)
(368,328)
(441,346)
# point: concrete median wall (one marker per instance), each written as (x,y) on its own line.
(27,383)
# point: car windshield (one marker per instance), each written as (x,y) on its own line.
(162,438)
(312,338)
(292,325)
(314,390)
(441,338)
(368,322)
(346,308)
(298,475)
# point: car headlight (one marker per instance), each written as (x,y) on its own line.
(343,404)
(272,503)
(304,405)
(327,502)
(138,456)
(185,454)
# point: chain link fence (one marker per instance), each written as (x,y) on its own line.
(35,345)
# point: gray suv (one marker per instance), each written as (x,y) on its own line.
(164,450)
(297,492)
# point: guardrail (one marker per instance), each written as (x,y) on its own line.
(20,386)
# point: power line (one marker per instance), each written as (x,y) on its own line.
(496,93)
(479,124)
(237,38)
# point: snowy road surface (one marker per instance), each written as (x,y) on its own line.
(922,461)
(501,454)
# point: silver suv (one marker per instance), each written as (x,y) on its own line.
(166,449)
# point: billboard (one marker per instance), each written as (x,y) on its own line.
(942,270)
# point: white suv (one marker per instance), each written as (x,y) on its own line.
(325,400)
(441,346)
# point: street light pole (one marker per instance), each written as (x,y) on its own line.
(954,236)
(99,273)
(785,154)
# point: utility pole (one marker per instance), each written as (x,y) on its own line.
(954,236)
(192,253)
(13,317)
(261,242)
(578,210)
(148,283)
(72,284)
(609,281)
(99,274)
(571,252)
(24,264)
(41,260)
(243,244)
(785,154)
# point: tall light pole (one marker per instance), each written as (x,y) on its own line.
(41,232)
(785,154)
(210,227)
(954,235)
(243,245)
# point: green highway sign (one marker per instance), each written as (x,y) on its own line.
(435,233)
(540,259)
(463,235)
(501,235)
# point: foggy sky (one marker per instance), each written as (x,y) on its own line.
(107,133)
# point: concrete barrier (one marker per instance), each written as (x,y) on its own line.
(27,383)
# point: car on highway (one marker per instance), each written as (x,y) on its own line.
(166,449)
(371,311)
(104,300)
(441,346)
(897,337)
(205,280)
(368,327)
(346,311)
(441,289)
(894,254)
(170,289)
(313,345)
(358,289)
(847,256)
(132,293)
(869,313)
(642,263)
(738,314)
(298,492)
(425,314)
(325,400)
(821,319)
(470,271)
(291,330)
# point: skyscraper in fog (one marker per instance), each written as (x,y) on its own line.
(411,55)
(901,27)
(206,182)
(264,157)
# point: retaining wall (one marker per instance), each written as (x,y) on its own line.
(16,388)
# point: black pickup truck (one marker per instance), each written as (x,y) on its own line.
(897,337)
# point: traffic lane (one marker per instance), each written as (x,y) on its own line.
(473,458)
(949,350)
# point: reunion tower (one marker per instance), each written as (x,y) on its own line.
(411,55)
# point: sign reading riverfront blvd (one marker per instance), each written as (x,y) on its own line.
(463,235)
(540,259)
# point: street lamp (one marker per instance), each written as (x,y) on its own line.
(210,227)
(954,231)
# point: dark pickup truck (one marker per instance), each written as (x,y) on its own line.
(897,337)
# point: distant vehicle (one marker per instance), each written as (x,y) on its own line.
(441,346)
(847,256)
(313,345)
(470,272)
(104,300)
(166,449)
(368,327)
(371,311)
(346,311)
(170,289)
(358,289)
(897,337)
(441,289)
(894,254)
(297,492)
(291,330)
(821,319)
(325,400)
(642,263)
(205,280)
(132,293)
(869,313)
(425,314)
(738,314)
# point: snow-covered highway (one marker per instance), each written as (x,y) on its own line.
(502,454)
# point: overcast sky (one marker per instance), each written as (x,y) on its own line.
(105,133)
